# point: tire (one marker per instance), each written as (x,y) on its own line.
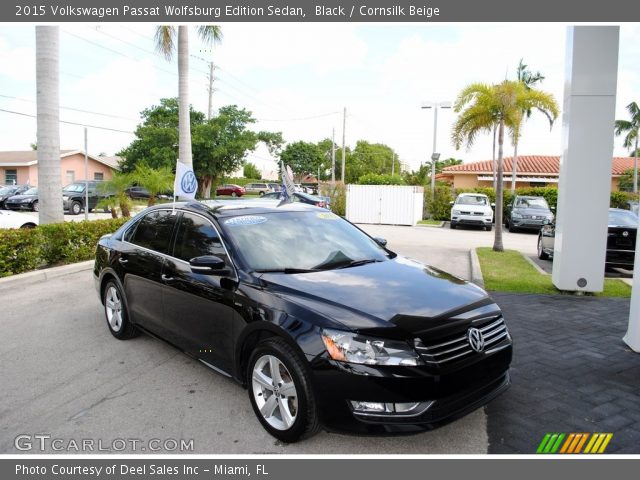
(234,194)
(75,208)
(506,223)
(541,254)
(512,229)
(35,207)
(488,229)
(261,194)
(452,225)
(115,310)
(291,419)
(27,226)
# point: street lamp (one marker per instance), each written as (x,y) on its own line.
(435,106)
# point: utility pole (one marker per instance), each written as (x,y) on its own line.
(393,163)
(333,155)
(344,124)
(86,176)
(209,111)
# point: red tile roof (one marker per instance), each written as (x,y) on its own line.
(533,164)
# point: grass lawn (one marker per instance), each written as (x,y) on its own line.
(508,271)
(430,222)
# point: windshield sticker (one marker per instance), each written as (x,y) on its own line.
(327,216)
(245,220)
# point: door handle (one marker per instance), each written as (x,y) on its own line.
(166,278)
(123,260)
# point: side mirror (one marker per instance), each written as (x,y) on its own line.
(380,241)
(493,205)
(552,208)
(207,264)
(546,221)
(451,203)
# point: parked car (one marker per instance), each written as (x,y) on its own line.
(621,239)
(27,200)
(320,322)
(527,213)
(230,189)
(259,188)
(299,197)
(74,197)
(10,190)
(472,209)
(137,192)
(10,219)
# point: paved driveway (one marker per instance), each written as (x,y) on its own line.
(63,374)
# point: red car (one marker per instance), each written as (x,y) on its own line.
(230,189)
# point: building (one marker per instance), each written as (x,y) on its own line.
(21,167)
(532,171)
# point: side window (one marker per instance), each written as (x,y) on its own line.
(154,231)
(197,237)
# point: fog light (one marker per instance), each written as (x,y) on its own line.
(380,408)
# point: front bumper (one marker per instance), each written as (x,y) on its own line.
(479,220)
(527,223)
(447,396)
(621,259)
(18,206)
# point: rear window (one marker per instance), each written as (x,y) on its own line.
(623,218)
(154,231)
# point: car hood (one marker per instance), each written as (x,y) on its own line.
(395,293)
(473,208)
(22,197)
(9,219)
(538,212)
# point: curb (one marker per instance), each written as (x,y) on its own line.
(45,274)
(534,264)
(440,225)
(476,272)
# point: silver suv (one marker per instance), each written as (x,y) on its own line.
(259,188)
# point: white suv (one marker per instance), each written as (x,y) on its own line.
(472,209)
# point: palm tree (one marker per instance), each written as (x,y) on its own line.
(529,79)
(116,188)
(631,129)
(156,181)
(48,126)
(482,106)
(165,43)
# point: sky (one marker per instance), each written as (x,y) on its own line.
(297,79)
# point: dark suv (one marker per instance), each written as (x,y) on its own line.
(73,196)
(527,213)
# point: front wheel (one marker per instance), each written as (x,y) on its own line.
(75,208)
(35,206)
(452,225)
(234,194)
(541,253)
(261,194)
(488,229)
(280,391)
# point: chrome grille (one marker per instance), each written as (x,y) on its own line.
(458,347)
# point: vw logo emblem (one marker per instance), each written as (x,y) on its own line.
(475,339)
(189,182)
(625,234)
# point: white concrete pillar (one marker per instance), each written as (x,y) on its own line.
(585,166)
(632,338)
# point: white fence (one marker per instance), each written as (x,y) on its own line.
(384,204)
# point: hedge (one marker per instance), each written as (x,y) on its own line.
(22,250)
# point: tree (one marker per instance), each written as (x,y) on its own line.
(48,126)
(631,127)
(165,43)
(528,79)
(115,188)
(480,107)
(371,158)
(303,157)
(155,180)
(251,171)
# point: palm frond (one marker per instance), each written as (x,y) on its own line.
(165,40)
(210,34)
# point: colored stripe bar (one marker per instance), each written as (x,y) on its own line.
(606,442)
(565,447)
(543,443)
(556,446)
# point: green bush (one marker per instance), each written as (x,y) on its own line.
(440,208)
(23,250)
(377,179)
(338,194)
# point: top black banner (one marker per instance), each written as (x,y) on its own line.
(208,11)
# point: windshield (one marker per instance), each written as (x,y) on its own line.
(623,218)
(471,200)
(74,187)
(307,240)
(532,202)
(31,191)
(5,190)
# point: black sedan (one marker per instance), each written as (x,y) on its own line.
(28,200)
(298,197)
(621,239)
(320,322)
(9,191)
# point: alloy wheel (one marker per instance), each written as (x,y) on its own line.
(274,392)
(113,308)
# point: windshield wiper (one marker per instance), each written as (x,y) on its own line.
(286,270)
(349,263)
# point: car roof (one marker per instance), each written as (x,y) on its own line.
(231,208)
(471,194)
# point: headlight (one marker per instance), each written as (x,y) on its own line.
(455,212)
(65,198)
(516,215)
(24,200)
(353,348)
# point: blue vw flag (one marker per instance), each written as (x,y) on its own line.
(288,188)
(185,184)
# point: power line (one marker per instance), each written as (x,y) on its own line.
(73,109)
(297,119)
(69,123)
